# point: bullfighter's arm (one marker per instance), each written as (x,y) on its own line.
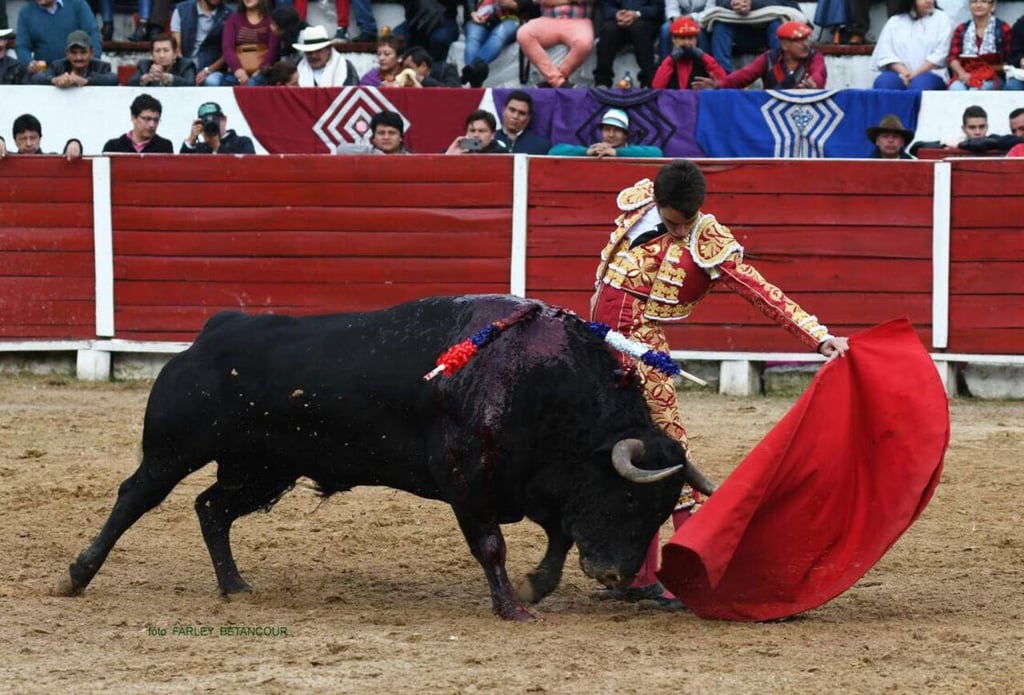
(744,279)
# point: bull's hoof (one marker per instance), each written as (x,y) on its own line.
(66,586)
(526,592)
(236,591)
(519,614)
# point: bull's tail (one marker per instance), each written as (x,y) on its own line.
(457,356)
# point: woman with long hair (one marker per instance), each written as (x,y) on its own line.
(249,43)
(912,46)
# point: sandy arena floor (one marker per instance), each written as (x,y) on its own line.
(375,591)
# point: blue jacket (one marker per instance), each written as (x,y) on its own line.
(528,142)
(210,49)
(41,36)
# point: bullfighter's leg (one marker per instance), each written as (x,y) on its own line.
(545,577)
(217,507)
(488,547)
(145,489)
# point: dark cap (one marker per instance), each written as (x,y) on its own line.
(210,108)
(78,38)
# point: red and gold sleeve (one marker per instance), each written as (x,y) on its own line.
(744,279)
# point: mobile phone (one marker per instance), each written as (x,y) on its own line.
(470,144)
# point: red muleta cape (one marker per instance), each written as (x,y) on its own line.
(826,493)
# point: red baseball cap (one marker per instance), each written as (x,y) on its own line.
(793,31)
(684,26)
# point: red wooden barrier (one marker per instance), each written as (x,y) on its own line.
(847,244)
(301,234)
(47,282)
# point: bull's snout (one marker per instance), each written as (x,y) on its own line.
(606,576)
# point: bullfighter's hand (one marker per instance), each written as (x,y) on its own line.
(834,347)
(73,150)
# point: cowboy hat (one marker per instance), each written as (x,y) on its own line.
(889,124)
(312,39)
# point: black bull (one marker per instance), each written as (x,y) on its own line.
(530,427)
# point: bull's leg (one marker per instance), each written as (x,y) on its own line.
(488,547)
(545,577)
(145,489)
(218,507)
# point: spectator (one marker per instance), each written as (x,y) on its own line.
(11,70)
(142,138)
(890,139)
(432,24)
(1002,143)
(687,61)
(43,29)
(676,9)
(427,72)
(747,26)
(165,67)
(795,65)
(490,27)
(634,22)
(979,49)
(387,133)
(389,48)
(212,124)
(248,43)
(568,22)
(515,119)
(860,20)
(28,135)
(1016,61)
(481,128)
(321,65)
(198,26)
(974,135)
(364,18)
(288,25)
(79,68)
(282,74)
(614,141)
(913,43)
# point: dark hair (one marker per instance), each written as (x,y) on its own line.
(26,122)
(395,41)
(289,23)
(263,6)
(418,55)
(974,111)
(520,95)
(165,37)
(680,185)
(481,115)
(144,102)
(909,7)
(280,73)
(1016,112)
(388,118)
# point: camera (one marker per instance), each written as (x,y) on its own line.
(211,123)
(470,144)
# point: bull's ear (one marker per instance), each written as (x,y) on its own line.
(626,378)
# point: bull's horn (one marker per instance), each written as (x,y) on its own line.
(697,480)
(623,454)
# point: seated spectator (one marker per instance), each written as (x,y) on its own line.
(515,123)
(974,126)
(28,135)
(890,139)
(288,25)
(489,28)
(44,27)
(389,48)
(432,24)
(282,74)
(427,72)
(248,43)
(676,9)
(165,67)
(747,26)
(142,138)
(79,68)
(212,124)
(481,128)
(198,26)
(1003,143)
(11,70)
(568,22)
(321,65)
(387,133)
(794,65)
(614,141)
(687,61)
(633,22)
(912,45)
(979,49)
(1016,60)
